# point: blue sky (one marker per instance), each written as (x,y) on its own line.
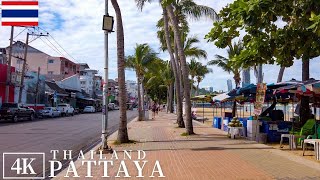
(76,25)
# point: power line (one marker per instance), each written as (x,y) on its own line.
(63,48)
(50,46)
(20,32)
(54,46)
(59,45)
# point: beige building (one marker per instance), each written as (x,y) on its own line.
(56,68)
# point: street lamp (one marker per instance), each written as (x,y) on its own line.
(107,26)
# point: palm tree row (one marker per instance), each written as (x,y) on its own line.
(140,62)
(173,38)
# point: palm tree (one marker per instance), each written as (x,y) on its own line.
(193,51)
(202,71)
(191,9)
(139,62)
(176,70)
(160,77)
(227,65)
(122,131)
(184,68)
(193,69)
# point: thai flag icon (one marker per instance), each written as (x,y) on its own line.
(19,13)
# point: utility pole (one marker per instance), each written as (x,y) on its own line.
(23,68)
(9,67)
(37,89)
(25,62)
(104,136)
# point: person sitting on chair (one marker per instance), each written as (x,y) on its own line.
(193,115)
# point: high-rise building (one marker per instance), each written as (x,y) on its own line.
(229,83)
(246,77)
(211,89)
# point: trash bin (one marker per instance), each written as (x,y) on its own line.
(262,138)
(217,122)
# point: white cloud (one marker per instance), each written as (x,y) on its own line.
(76,25)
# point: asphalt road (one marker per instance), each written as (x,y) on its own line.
(74,133)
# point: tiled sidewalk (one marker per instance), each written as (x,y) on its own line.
(207,155)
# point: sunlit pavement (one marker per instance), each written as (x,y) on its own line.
(207,155)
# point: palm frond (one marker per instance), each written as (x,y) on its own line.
(196,52)
(196,11)
(141,3)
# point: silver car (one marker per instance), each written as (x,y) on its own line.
(50,112)
(89,109)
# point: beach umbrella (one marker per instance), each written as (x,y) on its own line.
(233,92)
(312,86)
(250,89)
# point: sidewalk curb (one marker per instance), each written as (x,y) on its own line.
(77,162)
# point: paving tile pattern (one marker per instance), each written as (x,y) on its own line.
(205,156)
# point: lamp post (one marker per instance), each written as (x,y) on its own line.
(107,26)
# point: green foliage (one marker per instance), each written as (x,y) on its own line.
(158,80)
(142,59)
(264,40)
(197,71)
(230,64)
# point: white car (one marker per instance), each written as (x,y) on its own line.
(50,112)
(116,107)
(89,109)
(66,109)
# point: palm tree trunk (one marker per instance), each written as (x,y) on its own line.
(170,97)
(280,75)
(143,98)
(191,88)
(234,107)
(179,68)
(140,118)
(184,68)
(175,71)
(122,131)
(305,109)
(197,93)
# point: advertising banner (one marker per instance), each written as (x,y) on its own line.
(260,96)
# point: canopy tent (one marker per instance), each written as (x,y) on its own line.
(221,97)
(310,88)
(202,98)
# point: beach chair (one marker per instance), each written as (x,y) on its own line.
(315,135)
(307,129)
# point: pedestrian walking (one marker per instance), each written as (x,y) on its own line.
(154,109)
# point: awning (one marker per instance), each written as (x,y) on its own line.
(55,88)
(206,98)
(221,97)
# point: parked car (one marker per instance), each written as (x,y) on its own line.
(50,112)
(65,109)
(111,106)
(116,107)
(76,111)
(15,111)
(89,109)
